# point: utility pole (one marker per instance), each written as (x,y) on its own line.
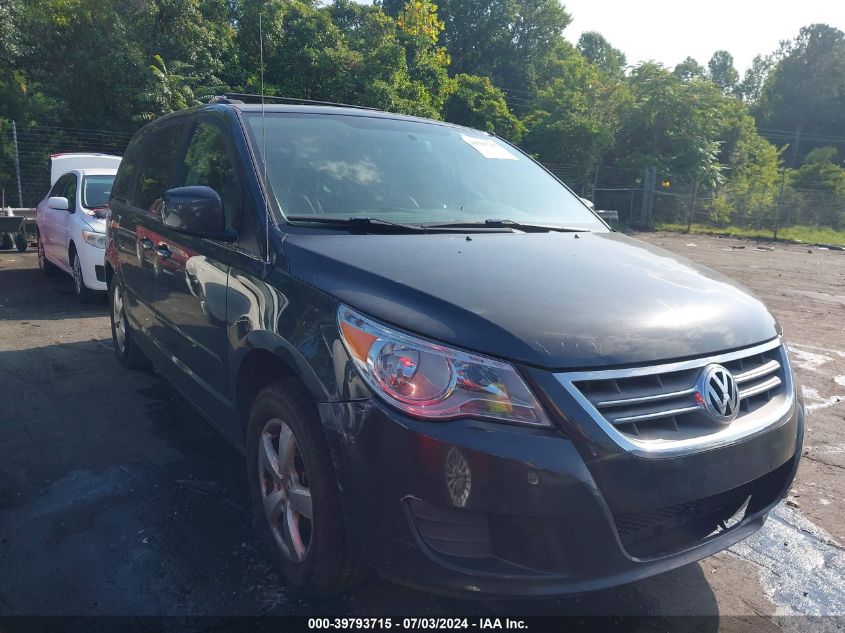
(692,206)
(17,163)
(793,160)
(648,195)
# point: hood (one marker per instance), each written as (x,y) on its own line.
(552,300)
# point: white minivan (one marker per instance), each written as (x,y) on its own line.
(71,220)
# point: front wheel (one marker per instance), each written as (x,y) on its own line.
(21,242)
(295,496)
(82,292)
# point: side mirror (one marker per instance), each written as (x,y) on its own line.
(58,202)
(196,211)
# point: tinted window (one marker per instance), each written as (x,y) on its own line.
(126,172)
(159,148)
(60,186)
(96,191)
(70,193)
(208,163)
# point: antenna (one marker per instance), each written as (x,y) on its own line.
(264,142)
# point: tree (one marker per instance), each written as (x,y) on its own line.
(689,69)
(805,91)
(475,102)
(597,50)
(751,86)
(821,171)
(722,72)
(502,39)
(168,91)
(574,118)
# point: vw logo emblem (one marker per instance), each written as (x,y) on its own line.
(719,394)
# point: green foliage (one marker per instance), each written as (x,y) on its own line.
(475,102)
(722,72)
(574,117)
(503,39)
(798,233)
(805,90)
(689,69)
(598,51)
(821,172)
(497,65)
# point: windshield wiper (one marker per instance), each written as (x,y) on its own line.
(510,224)
(375,225)
(360,224)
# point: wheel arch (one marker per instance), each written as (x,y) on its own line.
(263,363)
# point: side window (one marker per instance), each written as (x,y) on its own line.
(70,193)
(126,172)
(60,186)
(208,163)
(159,147)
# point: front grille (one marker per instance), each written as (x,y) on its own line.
(660,408)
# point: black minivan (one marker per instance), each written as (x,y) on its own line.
(439,363)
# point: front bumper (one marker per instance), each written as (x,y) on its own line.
(93,265)
(546,508)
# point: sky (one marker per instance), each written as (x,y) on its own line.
(668,31)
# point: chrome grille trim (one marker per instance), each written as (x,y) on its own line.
(605,410)
(769,368)
(655,416)
(604,404)
(770,384)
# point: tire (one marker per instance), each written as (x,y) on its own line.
(47,267)
(125,349)
(21,242)
(317,558)
(6,241)
(82,292)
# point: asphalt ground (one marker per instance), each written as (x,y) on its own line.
(116,498)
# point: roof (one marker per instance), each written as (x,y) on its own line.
(277,108)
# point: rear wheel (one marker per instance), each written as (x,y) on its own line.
(127,352)
(21,241)
(47,267)
(295,497)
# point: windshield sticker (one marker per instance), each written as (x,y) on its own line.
(488,148)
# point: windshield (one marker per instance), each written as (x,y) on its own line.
(404,171)
(96,191)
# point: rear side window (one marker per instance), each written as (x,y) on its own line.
(208,163)
(121,190)
(70,193)
(60,186)
(157,155)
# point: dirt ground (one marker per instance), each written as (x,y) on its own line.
(116,498)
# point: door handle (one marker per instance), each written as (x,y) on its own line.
(146,244)
(163,251)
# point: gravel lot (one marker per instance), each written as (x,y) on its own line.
(116,498)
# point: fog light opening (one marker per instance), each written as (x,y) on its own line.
(458,477)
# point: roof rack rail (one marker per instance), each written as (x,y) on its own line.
(224,99)
(241,97)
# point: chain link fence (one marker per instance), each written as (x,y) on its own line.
(24,184)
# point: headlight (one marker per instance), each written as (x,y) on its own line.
(431,381)
(94,239)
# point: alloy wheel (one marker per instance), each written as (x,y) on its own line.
(118,318)
(285,491)
(77,276)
